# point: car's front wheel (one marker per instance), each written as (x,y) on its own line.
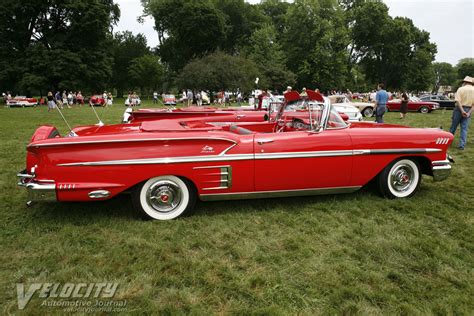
(400,179)
(368,112)
(164,197)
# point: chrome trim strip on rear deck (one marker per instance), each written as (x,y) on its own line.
(130,140)
(280,193)
(257,156)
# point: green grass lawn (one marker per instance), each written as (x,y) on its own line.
(351,254)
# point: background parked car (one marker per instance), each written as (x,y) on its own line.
(169,99)
(366,108)
(414,105)
(22,101)
(442,100)
(96,100)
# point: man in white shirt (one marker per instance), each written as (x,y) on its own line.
(463,110)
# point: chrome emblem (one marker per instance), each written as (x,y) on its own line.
(207,149)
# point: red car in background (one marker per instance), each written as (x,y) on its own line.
(22,101)
(414,105)
(96,100)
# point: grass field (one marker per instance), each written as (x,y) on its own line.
(345,254)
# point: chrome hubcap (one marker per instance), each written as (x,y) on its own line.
(402,177)
(164,196)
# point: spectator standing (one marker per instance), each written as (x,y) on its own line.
(110,99)
(155,97)
(104,96)
(184,97)
(239,97)
(227,98)
(381,98)
(198,98)
(70,99)
(51,103)
(404,105)
(64,98)
(463,110)
(59,100)
(190,97)
(260,99)
(80,98)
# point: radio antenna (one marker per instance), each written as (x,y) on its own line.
(71,132)
(93,109)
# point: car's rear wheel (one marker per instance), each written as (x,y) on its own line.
(424,109)
(164,198)
(400,179)
(368,112)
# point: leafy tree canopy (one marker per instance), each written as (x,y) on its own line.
(219,71)
(126,48)
(55,44)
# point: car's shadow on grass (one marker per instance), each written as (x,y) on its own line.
(120,207)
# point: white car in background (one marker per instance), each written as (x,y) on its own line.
(365,108)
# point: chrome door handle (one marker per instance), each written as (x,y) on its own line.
(240,116)
(264,141)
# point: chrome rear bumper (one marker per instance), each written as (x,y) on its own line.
(42,190)
(441,168)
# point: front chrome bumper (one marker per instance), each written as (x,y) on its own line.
(41,190)
(441,168)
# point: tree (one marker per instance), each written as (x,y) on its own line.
(465,67)
(146,72)
(268,55)
(392,51)
(445,75)
(241,19)
(315,40)
(276,11)
(219,71)
(63,43)
(186,29)
(126,47)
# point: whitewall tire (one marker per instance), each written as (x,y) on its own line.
(400,179)
(164,198)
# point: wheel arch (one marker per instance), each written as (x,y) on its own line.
(423,162)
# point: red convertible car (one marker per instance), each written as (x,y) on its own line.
(167,165)
(22,101)
(97,100)
(414,105)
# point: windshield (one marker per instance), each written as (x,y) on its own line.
(335,120)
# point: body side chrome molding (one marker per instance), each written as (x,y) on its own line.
(280,193)
(257,156)
(132,140)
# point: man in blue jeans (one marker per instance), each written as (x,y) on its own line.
(463,110)
(381,98)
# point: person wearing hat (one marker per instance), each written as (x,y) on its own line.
(463,110)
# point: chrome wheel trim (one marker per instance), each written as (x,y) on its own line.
(424,110)
(164,197)
(403,178)
(368,112)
